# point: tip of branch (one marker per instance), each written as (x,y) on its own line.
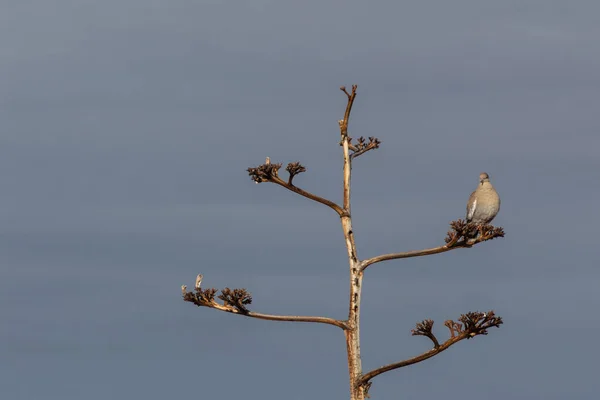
(353,93)
(343,89)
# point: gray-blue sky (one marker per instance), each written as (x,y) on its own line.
(126,130)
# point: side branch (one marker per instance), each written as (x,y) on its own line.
(268,172)
(235,301)
(469,325)
(405,363)
(361,146)
(458,237)
(309,195)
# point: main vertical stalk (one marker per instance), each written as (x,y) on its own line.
(353,331)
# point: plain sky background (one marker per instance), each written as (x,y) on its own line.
(126,128)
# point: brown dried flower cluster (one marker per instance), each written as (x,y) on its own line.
(460,229)
(264,173)
(424,328)
(270,172)
(473,323)
(469,325)
(294,169)
(477,323)
(362,146)
(235,298)
(207,295)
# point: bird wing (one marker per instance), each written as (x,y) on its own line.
(471,205)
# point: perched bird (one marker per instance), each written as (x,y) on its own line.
(199,281)
(484,202)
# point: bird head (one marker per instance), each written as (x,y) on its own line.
(484,177)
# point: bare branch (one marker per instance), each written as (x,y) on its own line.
(422,357)
(458,237)
(469,325)
(408,254)
(309,195)
(270,173)
(236,300)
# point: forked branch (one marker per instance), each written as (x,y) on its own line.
(235,301)
(458,237)
(468,325)
(361,146)
(268,172)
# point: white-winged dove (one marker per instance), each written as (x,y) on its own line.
(484,202)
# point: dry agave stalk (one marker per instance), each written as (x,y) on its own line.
(237,301)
